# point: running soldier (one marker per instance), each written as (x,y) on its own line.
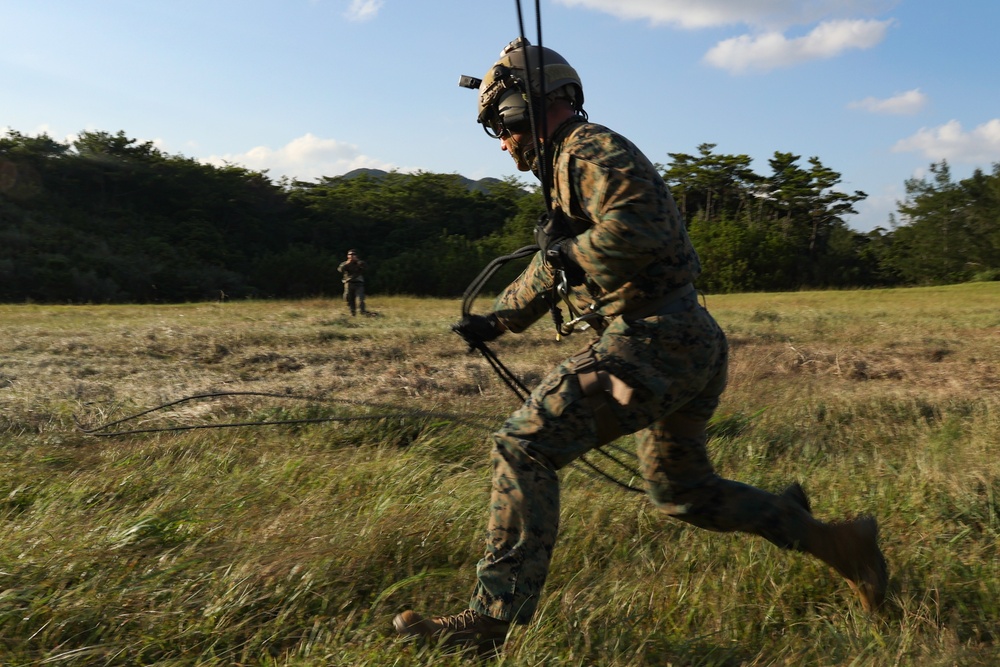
(658,368)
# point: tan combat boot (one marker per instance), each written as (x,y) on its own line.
(468,628)
(851,548)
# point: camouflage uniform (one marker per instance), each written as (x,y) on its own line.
(661,364)
(354,284)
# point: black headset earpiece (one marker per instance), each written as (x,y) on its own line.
(513,111)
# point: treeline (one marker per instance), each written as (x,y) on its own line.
(107,218)
(787,230)
(111,219)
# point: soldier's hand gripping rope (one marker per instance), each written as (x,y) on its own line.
(478,329)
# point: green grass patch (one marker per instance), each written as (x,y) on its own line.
(295,543)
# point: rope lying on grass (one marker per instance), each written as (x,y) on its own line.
(102,431)
(109,430)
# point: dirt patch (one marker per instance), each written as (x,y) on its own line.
(916,366)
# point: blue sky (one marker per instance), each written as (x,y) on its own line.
(877,89)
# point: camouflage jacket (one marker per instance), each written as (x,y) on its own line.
(634,248)
(353,272)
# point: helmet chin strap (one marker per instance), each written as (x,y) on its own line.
(525,155)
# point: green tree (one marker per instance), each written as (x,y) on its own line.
(783,231)
(710,185)
(807,210)
(948,232)
(725,247)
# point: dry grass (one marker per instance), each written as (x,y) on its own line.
(294,545)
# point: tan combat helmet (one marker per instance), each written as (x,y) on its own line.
(503,92)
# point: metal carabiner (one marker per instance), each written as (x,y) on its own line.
(584,319)
(578,318)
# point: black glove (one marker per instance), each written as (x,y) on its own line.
(549,230)
(551,235)
(478,328)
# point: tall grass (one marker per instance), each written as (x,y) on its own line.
(294,544)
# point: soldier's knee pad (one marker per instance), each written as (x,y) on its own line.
(601,391)
(518,455)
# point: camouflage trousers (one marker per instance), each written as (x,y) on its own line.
(671,370)
(354,296)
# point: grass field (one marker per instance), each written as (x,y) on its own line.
(295,544)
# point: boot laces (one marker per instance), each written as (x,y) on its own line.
(456,622)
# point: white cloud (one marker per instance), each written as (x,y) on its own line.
(950,142)
(306,158)
(767,47)
(906,103)
(773,14)
(771,50)
(363,10)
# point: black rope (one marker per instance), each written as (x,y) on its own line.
(193,427)
(519,389)
(476,286)
(102,431)
(605,476)
(512,381)
(537,118)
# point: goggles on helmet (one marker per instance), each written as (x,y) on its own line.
(504,90)
(504,103)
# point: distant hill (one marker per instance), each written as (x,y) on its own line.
(478,186)
(372,173)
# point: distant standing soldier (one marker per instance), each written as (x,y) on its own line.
(353,272)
